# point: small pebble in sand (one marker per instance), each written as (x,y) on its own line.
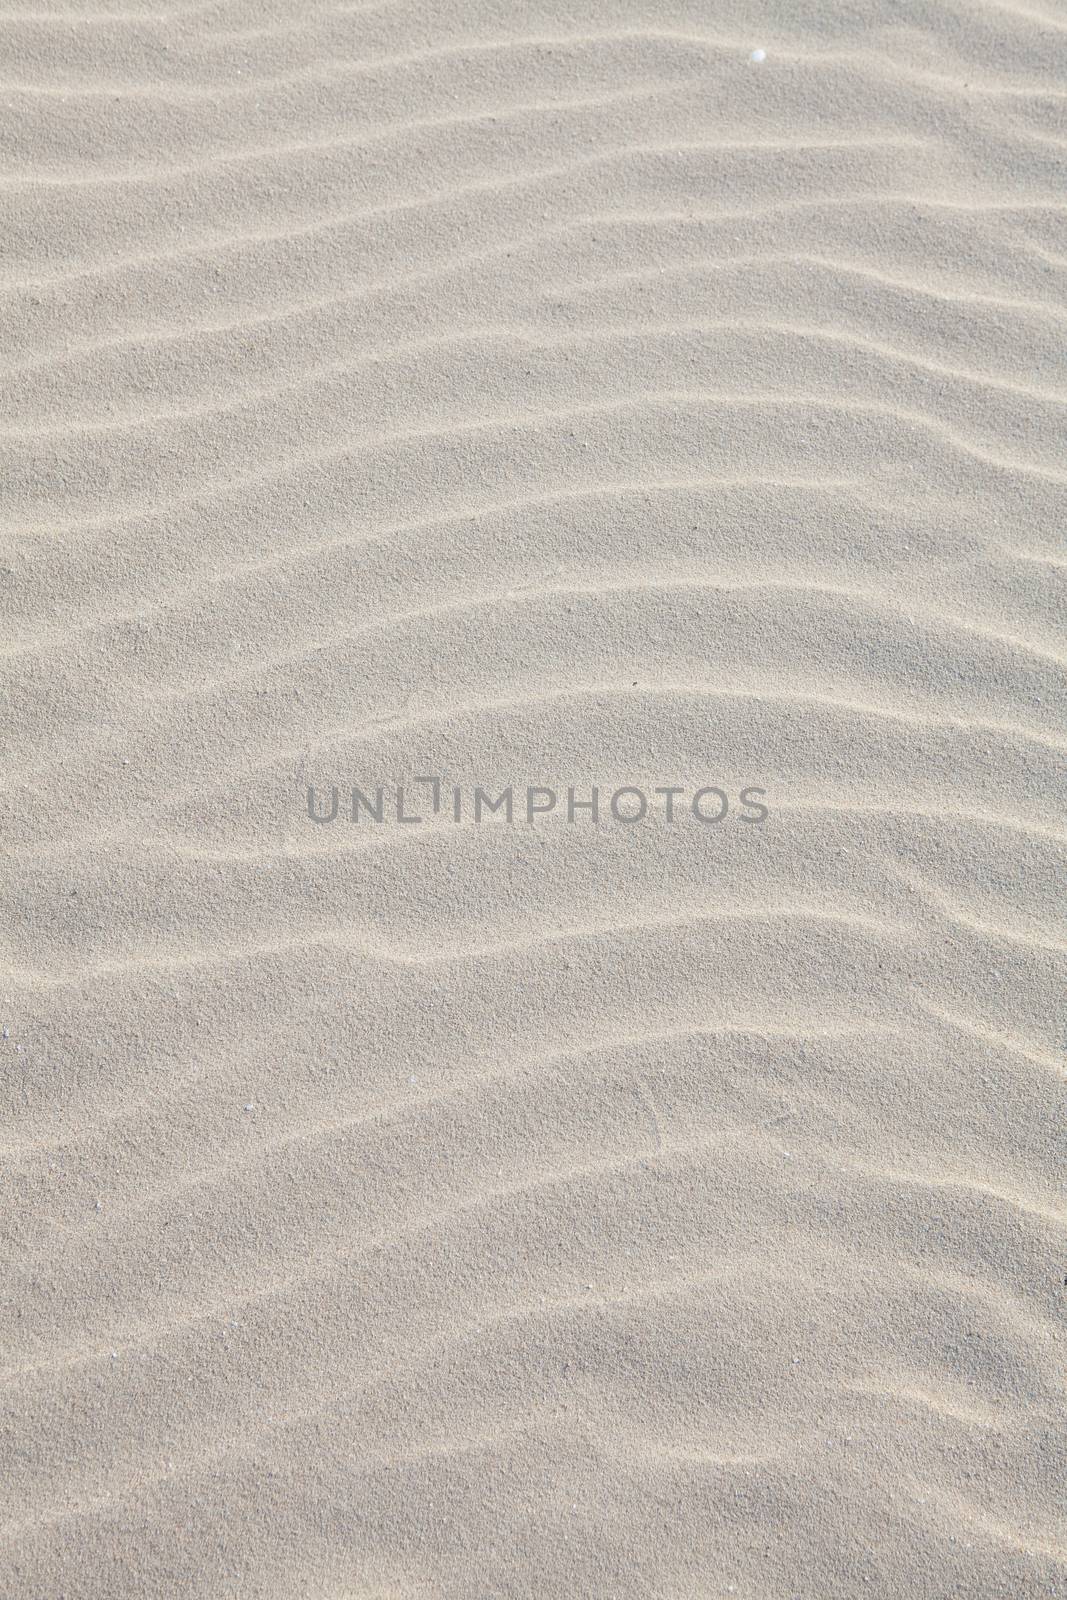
(5,1033)
(758,55)
(250,1105)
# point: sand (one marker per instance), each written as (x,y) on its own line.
(533,397)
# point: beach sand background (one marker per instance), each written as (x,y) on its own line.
(533,394)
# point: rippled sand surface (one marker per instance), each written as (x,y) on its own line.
(545,394)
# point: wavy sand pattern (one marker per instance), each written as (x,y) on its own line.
(543,394)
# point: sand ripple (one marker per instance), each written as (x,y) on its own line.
(532,396)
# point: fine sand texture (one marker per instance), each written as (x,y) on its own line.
(638,394)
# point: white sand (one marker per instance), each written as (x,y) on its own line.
(533,393)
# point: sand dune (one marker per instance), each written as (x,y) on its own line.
(533,398)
